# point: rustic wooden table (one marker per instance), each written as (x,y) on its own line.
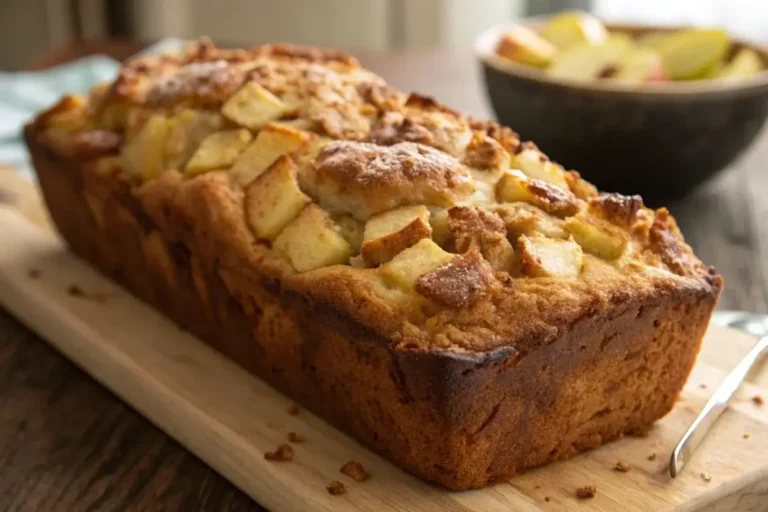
(67,444)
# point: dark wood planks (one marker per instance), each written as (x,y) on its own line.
(68,444)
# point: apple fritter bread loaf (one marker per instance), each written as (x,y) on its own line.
(427,282)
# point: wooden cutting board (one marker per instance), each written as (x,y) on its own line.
(230,418)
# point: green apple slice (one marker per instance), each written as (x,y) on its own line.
(574,27)
(587,61)
(523,45)
(640,65)
(746,64)
(691,53)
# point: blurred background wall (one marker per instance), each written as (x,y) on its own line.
(29,27)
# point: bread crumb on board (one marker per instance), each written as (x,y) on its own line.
(622,467)
(706,477)
(746,436)
(293,409)
(293,437)
(355,471)
(587,492)
(336,488)
(758,400)
(284,453)
(33,273)
(546,498)
(75,291)
(652,456)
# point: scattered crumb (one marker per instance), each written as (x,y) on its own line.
(355,471)
(622,467)
(746,436)
(284,453)
(336,488)
(641,431)
(75,291)
(703,386)
(537,486)
(652,456)
(546,498)
(293,437)
(587,492)
(758,400)
(706,477)
(293,409)
(33,273)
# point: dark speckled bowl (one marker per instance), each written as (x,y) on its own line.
(658,140)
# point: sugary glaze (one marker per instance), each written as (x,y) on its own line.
(426,226)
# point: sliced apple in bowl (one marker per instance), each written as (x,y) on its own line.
(524,46)
(745,64)
(589,61)
(574,27)
(691,54)
(640,65)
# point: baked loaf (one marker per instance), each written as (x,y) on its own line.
(426,282)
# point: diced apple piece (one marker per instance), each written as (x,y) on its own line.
(689,53)
(406,268)
(274,199)
(389,233)
(523,45)
(514,186)
(219,150)
(546,257)
(639,66)
(253,106)
(536,165)
(187,129)
(597,237)
(586,62)
(311,241)
(271,142)
(144,155)
(746,64)
(574,27)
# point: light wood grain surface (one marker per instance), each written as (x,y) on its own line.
(230,419)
